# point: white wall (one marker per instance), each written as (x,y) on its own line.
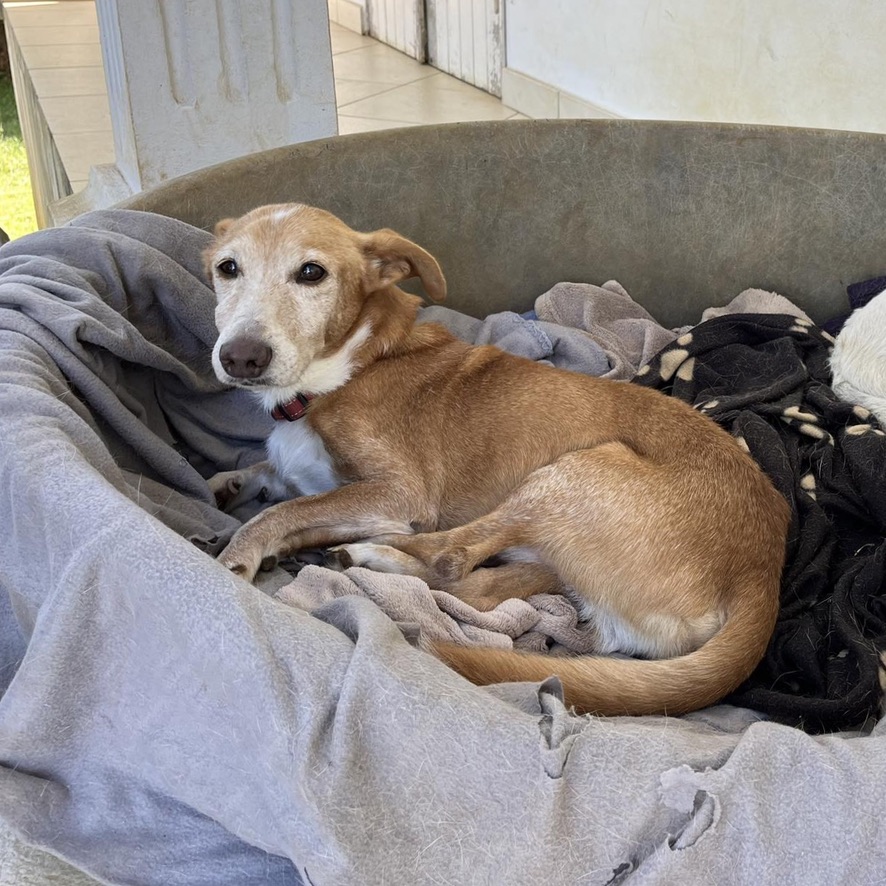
(793,62)
(349,14)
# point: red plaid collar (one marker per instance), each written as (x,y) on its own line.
(293,410)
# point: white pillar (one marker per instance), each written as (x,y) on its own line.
(195,82)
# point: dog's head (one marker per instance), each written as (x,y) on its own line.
(292,284)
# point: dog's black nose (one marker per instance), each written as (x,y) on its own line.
(245,357)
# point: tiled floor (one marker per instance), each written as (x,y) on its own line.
(59,42)
(376,86)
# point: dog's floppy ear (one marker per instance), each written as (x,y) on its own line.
(391,258)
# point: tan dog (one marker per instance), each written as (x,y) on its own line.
(418,453)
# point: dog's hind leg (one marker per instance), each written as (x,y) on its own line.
(451,555)
(484,588)
(633,541)
(579,517)
(540,506)
(379,557)
(487,586)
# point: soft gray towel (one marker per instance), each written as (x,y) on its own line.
(543,622)
(756,301)
(626,331)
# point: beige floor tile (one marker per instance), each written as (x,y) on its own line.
(51,82)
(379,64)
(348,125)
(75,14)
(440,81)
(80,150)
(431,100)
(344,40)
(71,55)
(54,36)
(77,113)
(347,91)
(349,15)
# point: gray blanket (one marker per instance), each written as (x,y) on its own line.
(162,722)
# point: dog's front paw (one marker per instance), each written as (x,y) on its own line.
(241,561)
(245,558)
(226,486)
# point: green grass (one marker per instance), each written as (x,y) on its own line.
(16,202)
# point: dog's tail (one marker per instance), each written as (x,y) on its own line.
(614,686)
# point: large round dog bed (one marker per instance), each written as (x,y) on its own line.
(163,722)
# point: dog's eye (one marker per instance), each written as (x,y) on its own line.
(310,272)
(227,268)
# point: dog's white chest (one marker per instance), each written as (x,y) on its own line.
(299,456)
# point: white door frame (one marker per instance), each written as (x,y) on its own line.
(466,39)
(401,24)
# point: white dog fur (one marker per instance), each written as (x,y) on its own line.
(859,358)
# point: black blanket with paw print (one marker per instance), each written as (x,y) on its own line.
(766,379)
